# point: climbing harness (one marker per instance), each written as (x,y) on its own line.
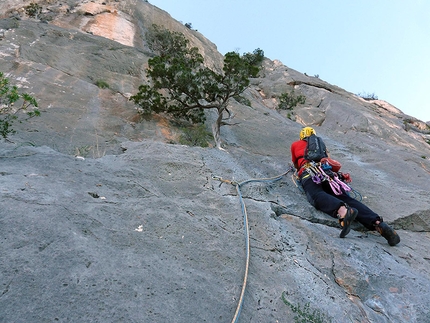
(320,172)
(246,226)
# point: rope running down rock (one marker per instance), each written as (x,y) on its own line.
(246,227)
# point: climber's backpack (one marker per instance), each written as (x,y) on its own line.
(315,149)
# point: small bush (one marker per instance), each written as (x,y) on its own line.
(83,151)
(242,100)
(9,111)
(288,101)
(33,10)
(368,96)
(195,136)
(305,314)
(102,84)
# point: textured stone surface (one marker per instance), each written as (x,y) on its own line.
(135,229)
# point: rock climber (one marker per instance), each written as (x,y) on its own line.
(343,207)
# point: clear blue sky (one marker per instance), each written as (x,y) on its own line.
(365,46)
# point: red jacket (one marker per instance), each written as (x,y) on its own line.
(297,154)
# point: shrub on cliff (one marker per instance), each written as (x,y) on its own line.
(288,101)
(182,86)
(11,112)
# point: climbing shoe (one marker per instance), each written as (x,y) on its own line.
(388,233)
(346,222)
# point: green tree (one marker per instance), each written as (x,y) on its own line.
(182,86)
(9,111)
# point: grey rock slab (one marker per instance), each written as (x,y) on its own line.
(149,235)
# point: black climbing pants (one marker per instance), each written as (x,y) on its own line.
(322,198)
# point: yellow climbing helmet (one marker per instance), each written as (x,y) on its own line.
(306,132)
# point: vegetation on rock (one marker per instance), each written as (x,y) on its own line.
(288,101)
(305,314)
(102,84)
(195,136)
(33,10)
(9,112)
(368,96)
(183,87)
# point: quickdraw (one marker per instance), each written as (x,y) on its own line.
(318,173)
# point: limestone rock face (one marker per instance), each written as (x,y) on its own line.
(105,219)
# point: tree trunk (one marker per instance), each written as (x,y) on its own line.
(216,128)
